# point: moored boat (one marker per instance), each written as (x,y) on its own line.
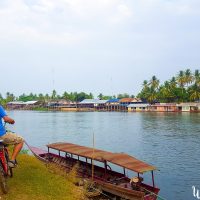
(95,164)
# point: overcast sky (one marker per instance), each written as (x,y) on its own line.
(108,46)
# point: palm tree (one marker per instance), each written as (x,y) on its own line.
(53,96)
(166,92)
(188,77)
(145,90)
(10,97)
(145,84)
(153,90)
(194,92)
(152,96)
(181,81)
(100,96)
(173,89)
(41,97)
(66,96)
(46,97)
(173,82)
(196,77)
(154,82)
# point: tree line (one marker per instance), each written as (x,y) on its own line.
(183,87)
(54,96)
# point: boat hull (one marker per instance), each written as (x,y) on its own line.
(108,181)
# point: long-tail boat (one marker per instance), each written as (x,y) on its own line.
(119,184)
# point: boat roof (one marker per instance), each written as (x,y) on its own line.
(121,159)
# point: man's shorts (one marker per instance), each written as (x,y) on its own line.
(11,138)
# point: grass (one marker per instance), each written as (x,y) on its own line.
(34,180)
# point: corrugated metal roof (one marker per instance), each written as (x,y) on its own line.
(113,100)
(138,105)
(87,101)
(124,100)
(120,159)
(22,102)
(30,102)
(93,101)
(163,104)
(189,104)
(101,101)
(16,102)
(136,100)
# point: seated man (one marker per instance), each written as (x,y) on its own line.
(9,137)
(136,183)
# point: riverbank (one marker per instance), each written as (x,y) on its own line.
(107,107)
(34,180)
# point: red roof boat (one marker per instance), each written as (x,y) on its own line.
(110,181)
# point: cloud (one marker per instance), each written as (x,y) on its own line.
(58,22)
(122,39)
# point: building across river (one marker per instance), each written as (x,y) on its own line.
(122,105)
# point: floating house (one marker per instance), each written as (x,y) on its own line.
(189,107)
(15,105)
(126,101)
(138,107)
(62,104)
(137,100)
(113,105)
(92,104)
(163,107)
(23,105)
(112,102)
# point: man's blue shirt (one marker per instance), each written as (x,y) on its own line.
(2,114)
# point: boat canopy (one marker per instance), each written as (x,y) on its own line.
(120,159)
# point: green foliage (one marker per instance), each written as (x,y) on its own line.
(102,97)
(125,95)
(182,88)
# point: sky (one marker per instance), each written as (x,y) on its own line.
(98,46)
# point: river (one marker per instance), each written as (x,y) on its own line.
(170,141)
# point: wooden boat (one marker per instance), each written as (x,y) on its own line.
(119,184)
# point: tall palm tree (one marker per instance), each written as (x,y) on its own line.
(154,82)
(152,96)
(188,77)
(46,97)
(166,92)
(145,90)
(194,92)
(196,77)
(173,83)
(181,81)
(145,84)
(54,93)
(153,89)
